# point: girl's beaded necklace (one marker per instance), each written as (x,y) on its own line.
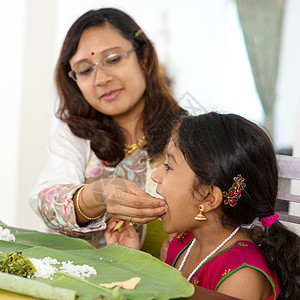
(207,257)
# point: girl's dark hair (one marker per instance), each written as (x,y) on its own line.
(218,147)
(84,121)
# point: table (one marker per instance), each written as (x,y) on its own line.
(205,294)
(13,296)
(200,293)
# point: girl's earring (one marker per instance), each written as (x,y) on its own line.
(200,216)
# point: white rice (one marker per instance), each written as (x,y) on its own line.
(77,270)
(46,269)
(5,235)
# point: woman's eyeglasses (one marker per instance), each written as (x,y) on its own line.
(84,71)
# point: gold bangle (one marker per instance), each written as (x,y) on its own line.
(78,207)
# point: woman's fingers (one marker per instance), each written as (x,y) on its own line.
(129,209)
(136,208)
(136,212)
(120,190)
(126,199)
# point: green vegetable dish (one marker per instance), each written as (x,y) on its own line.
(17,264)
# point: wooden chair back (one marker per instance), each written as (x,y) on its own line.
(289,169)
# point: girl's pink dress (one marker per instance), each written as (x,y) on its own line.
(225,263)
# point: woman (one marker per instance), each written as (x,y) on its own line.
(220,173)
(116,114)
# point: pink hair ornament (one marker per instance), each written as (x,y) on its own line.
(267,221)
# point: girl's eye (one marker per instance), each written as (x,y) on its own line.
(167,167)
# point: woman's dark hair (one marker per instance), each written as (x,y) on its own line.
(84,121)
(218,147)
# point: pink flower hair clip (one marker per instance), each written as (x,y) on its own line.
(267,221)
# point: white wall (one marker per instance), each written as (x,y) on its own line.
(27,63)
(11,54)
(194,41)
(289,79)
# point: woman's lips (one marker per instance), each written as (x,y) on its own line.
(111,95)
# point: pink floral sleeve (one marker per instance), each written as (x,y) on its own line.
(56,207)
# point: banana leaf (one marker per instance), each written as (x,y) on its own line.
(20,285)
(112,263)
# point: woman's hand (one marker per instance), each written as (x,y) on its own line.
(127,201)
(125,236)
(122,198)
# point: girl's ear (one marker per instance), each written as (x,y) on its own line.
(213,199)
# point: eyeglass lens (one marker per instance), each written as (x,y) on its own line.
(85,70)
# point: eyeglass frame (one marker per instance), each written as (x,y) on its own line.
(125,54)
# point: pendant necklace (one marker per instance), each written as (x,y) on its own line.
(207,257)
(129,148)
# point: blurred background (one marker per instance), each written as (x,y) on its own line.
(229,56)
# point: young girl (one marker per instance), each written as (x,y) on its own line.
(220,173)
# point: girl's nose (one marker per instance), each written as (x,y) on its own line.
(156,175)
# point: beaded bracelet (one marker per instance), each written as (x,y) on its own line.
(78,207)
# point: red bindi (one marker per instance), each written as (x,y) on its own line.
(92,53)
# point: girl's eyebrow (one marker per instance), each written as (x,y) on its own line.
(171,156)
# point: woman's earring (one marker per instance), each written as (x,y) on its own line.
(200,216)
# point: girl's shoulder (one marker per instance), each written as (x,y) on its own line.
(240,254)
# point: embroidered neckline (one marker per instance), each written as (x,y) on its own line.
(208,256)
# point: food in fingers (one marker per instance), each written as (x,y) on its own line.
(120,226)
